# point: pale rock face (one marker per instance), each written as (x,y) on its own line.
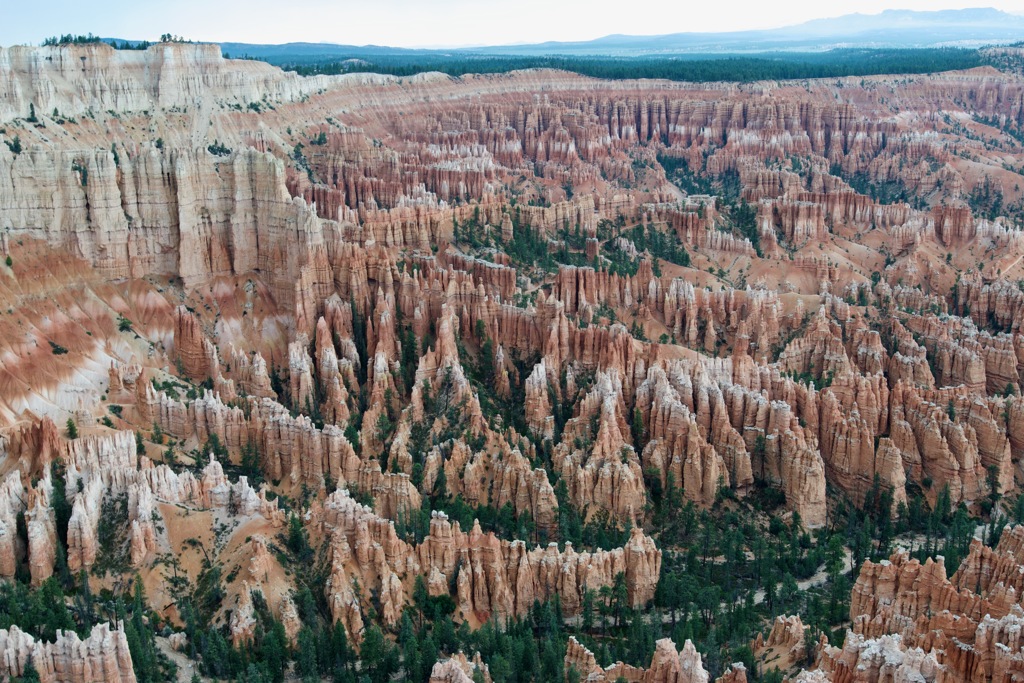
(459,669)
(504,477)
(104,465)
(243,618)
(493,577)
(676,445)
(334,375)
(667,666)
(290,620)
(692,419)
(608,474)
(194,351)
(167,76)
(10,505)
(736,673)
(819,352)
(83,544)
(42,533)
(909,622)
(301,373)
(250,374)
(102,657)
(204,223)
(581,659)
(294,450)
(260,560)
(885,658)
(785,643)
(344,602)
(538,407)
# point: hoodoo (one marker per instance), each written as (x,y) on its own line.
(523,376)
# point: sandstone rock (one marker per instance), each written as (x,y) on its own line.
(667,666)
(538,407)
(494,577)
(459,669)
(243,618)
(195,353)
(608,474)
(785,644)
(329,263)
(911,622)
(103,656)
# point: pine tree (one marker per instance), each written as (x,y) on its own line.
(638,430)
(305,656)
(28,674)
(378,656)
(141,643)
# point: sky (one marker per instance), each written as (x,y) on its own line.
(421,23)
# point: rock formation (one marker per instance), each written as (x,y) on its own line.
(492,577)
(459,669)
(667,666)
(103,656)
(502,291)
(911,622)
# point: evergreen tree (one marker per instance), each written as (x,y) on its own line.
(28,674)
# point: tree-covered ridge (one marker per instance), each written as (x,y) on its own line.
(699,69)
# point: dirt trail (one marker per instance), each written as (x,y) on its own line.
(820,577)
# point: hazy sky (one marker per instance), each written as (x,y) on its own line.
(420,23)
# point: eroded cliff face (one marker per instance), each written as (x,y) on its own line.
(460,669)
(488,577)
(103,656)
(667,666)
(491,292)
(911,622)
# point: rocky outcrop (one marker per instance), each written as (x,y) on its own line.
(705,431)
(785,646)
(459,669)
(605,473)
(885,658)
(105,467)
(491,577)
(195,354)
(41,527)
(909,622)
(243,618)
(677,448)
(103,656)
(538,407)
(667,666)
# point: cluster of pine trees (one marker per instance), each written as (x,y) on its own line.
(701,69)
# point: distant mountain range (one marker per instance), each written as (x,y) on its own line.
(889,29)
